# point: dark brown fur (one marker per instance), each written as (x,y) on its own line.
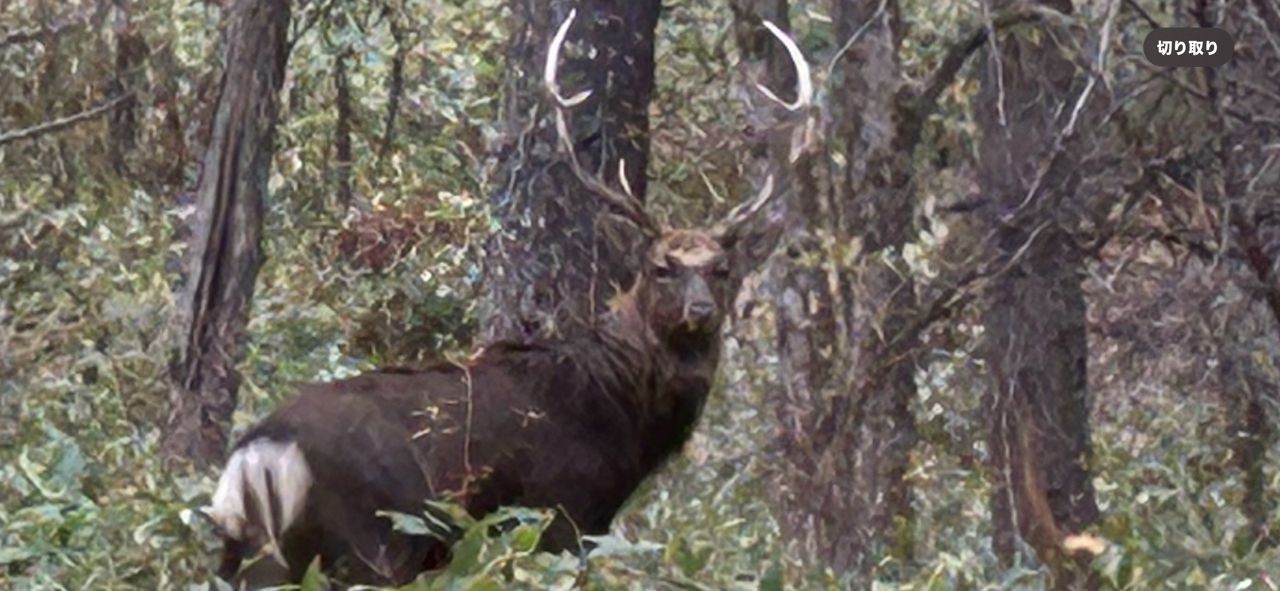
(575,425)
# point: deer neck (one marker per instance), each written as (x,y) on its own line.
(657,363)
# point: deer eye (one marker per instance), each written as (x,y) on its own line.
(664,271)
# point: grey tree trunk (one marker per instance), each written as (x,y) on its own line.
(1034,316)
(844,304)
(556,259)
(225,246)
(1244,184)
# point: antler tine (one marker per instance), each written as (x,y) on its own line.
(804,76)
(624,201)
(800,136)
(745,210)
(553,63)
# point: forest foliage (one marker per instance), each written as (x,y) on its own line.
(90,256)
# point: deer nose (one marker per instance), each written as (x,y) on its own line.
(699,310)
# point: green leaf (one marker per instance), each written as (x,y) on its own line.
(409,524)
(689,559)
(524,538)
(615,546)
(774,578)
(313,580)
(483,583)
(11,555)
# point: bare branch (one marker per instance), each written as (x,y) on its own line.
(1142,12)
(918,106)
(848,43)
(950,300)
(64,122)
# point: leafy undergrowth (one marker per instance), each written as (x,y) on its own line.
(86,506)
(88,264)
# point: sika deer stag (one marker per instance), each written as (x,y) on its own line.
(570,424)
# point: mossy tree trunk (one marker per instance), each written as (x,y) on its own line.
(844,303)
(1244,182)
(225,250)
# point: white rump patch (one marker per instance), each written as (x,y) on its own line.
(275,477)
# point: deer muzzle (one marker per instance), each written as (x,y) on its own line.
(699,305)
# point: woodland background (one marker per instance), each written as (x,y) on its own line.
(1068,224)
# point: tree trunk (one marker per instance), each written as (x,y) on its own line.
(131,52)
(556,261)
(1244,184)
(845,300)
(225,248)
(1034,317)
(344,155)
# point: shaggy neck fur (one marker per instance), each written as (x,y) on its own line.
(662,381)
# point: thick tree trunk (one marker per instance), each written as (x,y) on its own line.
(225,251)
(1034,318)
(844,300)
(1245,184)
(556,260)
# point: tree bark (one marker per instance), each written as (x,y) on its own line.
(131,51)
(225,248)
(1034,317)
(1244,182)
(556,261)
(343,156)
(845,298)
(395,86)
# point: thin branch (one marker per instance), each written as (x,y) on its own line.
(1068,131)
(1142,12)
(64,122)
(844,48)
(952,299)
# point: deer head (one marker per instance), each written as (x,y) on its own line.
(686,283)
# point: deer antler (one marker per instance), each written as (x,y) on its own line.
(627,202)
(804,78)
(804,98)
